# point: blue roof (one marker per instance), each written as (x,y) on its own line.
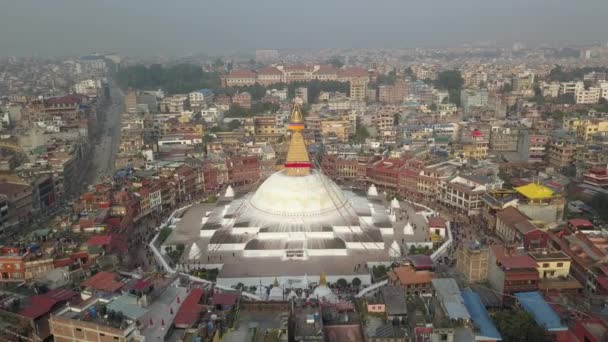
(543,314)
(204,91)
(479,316)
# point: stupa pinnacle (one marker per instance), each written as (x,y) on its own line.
(297,162)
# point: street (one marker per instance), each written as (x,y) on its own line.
(106,146)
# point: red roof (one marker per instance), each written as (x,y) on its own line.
(512,260)
(42,304)
(62,262)
(225,298)
(353,72)
(190,311)
(142,284)
(326,69)
(270,71)
(603,282)
(99,240)
(437,222)
(579,222)
(476,133)
(242,73)
(103,281)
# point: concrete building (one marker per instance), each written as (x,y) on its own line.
(588,96)
(510,272)
(465,192)
(358,89)
(200,98)
(472,262)
(470,98)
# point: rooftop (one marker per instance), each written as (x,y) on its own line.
(451,299)
(104,281)
(535,191)
(543,314)
(480,317)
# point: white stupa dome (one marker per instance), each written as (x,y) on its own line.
(276,294)
(395,204)
(323,293)
(306,199)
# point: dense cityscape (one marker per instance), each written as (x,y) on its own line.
(445,194)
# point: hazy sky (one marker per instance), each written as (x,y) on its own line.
(150,27)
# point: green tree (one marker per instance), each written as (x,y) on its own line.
(518,325)
(234,124)
(179,78)
(599,202)
(342,283)
(408,72)
(449,79)
(452,81)
(361,134)
(236,111)
(336,61)
(356,282)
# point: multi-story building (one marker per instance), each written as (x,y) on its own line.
(241,77)
(570,87)
(552,264)
(200,98)
(358,89)
(242,99)
(20,199)
(512,225)
(597,177)
(85,323)
(414,282)
(472,262)
(336,128)
(561,153)
(550,89)
(465,192)
(510,272)
(471,98)
(589,127)
(504,139)
(268,76)
(588,96)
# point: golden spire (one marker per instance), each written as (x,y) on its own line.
(296,115)
(297,162)
(322,279)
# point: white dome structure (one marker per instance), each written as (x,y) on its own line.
(303,200)
(283,195)
(395,204)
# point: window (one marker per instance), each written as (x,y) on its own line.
(78,330)
(545,265)
(560,264)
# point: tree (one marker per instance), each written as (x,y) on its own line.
(518,325)
(336,61)
(433,106)
(356,282)
(342,283)
(599,202)
(236,111)
(361,134)
(449,79)
(408,72)
(179,78)
(234,124)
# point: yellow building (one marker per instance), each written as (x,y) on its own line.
(590,127)
(552,265)
(585,128)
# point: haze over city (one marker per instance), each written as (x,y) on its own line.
(150,27)
(304,171)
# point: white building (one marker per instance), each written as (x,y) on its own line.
(200,98)
(588,96)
